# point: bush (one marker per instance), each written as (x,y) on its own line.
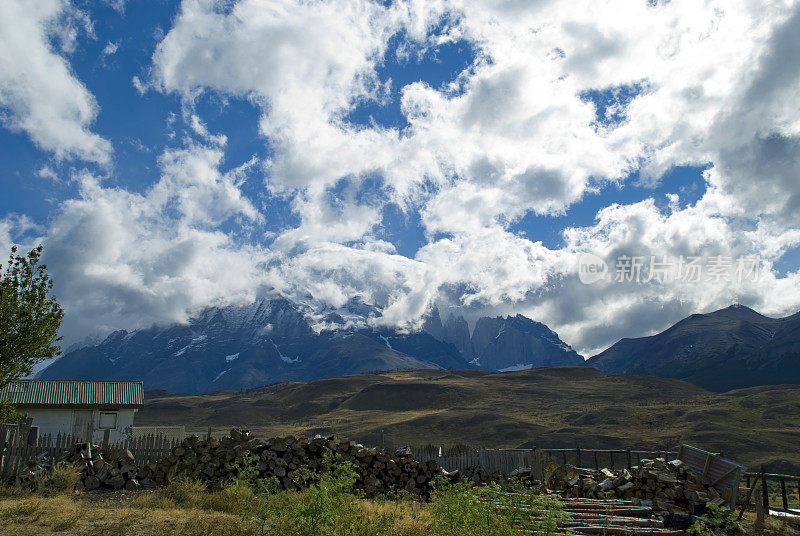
(468,510)
(63,478)
(715,522)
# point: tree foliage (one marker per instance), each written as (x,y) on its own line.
(29,315)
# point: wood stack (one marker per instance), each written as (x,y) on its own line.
(670,488)
(614,517)
(115,471)
(217,461)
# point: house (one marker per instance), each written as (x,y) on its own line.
(81,408)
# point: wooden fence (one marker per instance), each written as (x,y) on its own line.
(16,450)
(773,484)
(610,458)
(459,458)
(462,456)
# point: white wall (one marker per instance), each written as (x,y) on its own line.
(55,421)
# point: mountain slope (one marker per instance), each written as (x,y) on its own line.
(272,340)
(731,348)
(546,407)
(503,343)
(240,347)
(517,342)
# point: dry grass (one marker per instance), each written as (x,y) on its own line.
(548,407)
(773,526)
(186,508)
(75,515)
(324,509)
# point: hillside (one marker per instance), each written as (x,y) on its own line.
(548,407)
(732,348)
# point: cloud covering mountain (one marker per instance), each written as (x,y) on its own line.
(462,154)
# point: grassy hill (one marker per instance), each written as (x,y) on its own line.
(548,407)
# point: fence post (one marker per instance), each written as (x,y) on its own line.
(747,498)
(760,510)
(628,455)
(106,437)
(578,455)
(764,487)
(783,495)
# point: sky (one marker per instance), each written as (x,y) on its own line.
(487,157)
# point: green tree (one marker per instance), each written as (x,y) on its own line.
(29,315)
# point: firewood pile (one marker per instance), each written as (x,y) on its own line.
(217,461)
(115,471)
(669,487)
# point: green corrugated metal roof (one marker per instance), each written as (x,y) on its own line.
(74,393)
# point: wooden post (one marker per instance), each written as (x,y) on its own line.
(381,439)
(783,495)
(628,455)
(747,498)
(564,456)
(208,435)
(764,487)
(106,438)
(578,456)
(759,511)
(747,481)
(596,463)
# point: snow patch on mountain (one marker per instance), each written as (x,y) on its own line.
(283,357)
(518,366)
(218,376)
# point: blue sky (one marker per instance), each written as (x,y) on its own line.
(172,156)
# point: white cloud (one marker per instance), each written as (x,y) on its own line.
(110,49)
(38,92)
(710,83)
(127,259)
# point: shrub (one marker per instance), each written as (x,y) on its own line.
(468,510)
(63,478)
(715,522)
(182,492)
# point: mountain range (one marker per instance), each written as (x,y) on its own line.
(274,340)
(728,349)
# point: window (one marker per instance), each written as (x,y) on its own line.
(108,421)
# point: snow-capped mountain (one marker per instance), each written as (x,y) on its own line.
(272,340)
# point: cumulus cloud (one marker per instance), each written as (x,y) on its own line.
(39,94)
(559,101)
(122,258)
